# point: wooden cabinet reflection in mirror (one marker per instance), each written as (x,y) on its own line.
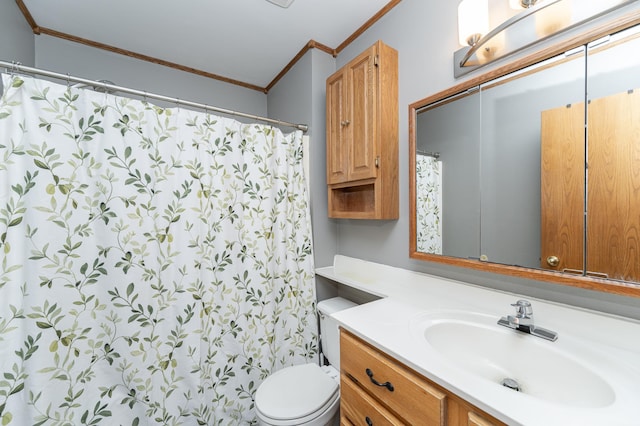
(540,170)
(613,188)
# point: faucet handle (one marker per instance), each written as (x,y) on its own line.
(523,308)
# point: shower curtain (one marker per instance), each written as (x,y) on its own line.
(429,204)
(156,262)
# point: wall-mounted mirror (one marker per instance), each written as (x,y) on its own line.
(534,169)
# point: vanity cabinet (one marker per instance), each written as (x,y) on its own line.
(378,390)
(362,136)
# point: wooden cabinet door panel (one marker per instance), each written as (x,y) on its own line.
(362,410)
(612,187)
(476,420)
(613,203)
(337,132)
(362,147)
(562,187)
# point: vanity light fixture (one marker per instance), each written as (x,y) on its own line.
(522,4)
(536,22)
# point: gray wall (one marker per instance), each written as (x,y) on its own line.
(16,38)
(64,56)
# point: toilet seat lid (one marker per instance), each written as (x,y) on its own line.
(296,392)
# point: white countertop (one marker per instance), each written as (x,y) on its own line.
(611,344)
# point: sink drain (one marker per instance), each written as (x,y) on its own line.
(511,384)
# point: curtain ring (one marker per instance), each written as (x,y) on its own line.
(68,80)
(105,93)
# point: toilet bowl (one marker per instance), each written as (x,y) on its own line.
(306,394)
(299,395)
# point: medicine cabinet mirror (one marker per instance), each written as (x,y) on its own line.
(533,169)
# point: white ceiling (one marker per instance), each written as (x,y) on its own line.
(245,40)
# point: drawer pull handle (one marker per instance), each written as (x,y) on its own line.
(368,420)
(387,385)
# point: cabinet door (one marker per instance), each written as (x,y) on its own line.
(362,79)
(613,236)
(337,129)
(562,188)
(476,420)
(402,392)
(362,410)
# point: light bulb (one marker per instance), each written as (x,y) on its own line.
(473,21)
(553,18)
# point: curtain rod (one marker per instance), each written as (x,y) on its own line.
(435,155)
(17,67)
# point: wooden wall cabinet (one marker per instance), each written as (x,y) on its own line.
(414,399)
(362,136)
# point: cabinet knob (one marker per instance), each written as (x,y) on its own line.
(368,420)
(345,123)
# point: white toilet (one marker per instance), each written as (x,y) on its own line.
(306,394)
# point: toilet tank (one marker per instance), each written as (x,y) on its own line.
(329,332)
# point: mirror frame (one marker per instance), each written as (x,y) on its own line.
(590,283)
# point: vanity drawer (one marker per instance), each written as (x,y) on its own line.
(360,409)
(344,421)
(412,397)
(476,420)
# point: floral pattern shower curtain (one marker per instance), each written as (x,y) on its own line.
(429,204)
(156,263)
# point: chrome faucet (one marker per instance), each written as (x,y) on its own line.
(523,321)
(524,316)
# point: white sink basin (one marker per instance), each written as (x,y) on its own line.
(475,343)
